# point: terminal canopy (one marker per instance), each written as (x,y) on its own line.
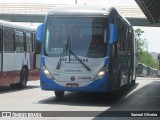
(151,8)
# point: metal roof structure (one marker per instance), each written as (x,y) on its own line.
(151,8)
(35,12)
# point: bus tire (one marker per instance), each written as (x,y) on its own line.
(23,78)
(59,94)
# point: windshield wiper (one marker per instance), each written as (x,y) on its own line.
(60,59)
(68,45)
(80,61)
(71,52)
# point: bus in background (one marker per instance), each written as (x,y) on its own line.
(86,49)
(154,73)
(18,59)
(143,70)
(149,72)
(146,71)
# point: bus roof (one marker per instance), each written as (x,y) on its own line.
(84,10)
(80,10)
(16,26)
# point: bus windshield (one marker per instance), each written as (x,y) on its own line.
(87,36)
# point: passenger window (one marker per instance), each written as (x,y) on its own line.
(19,40)
(8,37)
(29,42)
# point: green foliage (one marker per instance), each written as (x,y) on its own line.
(147,59)
(143,55)
(142,43)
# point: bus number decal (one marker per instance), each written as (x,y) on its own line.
(56,50)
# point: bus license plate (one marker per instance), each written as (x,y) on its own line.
(72,85)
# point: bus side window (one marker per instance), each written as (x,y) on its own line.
(29,42)
(19,41)
(120,39)
(8,40)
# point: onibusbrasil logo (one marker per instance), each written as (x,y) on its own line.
(21,114)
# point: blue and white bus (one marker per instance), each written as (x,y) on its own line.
(86,49)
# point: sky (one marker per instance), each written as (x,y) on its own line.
(151,34)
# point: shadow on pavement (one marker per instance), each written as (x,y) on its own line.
(90,99)
(145,99)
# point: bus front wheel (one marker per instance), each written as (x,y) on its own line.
(59,94)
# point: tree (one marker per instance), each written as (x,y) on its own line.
(142,43)
(143,55)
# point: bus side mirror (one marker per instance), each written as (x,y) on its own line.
(113,36)
(40,32)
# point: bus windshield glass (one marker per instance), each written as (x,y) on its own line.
(86,36)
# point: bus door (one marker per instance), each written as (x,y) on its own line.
(21,58)
(34,48)
(38,54)
(0,53)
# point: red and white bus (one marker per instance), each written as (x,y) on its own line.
(19,60)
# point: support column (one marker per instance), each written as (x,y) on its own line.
(159,64)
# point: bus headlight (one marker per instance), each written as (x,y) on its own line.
(101,72)
(46,72)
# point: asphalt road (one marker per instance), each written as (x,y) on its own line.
(143,96)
